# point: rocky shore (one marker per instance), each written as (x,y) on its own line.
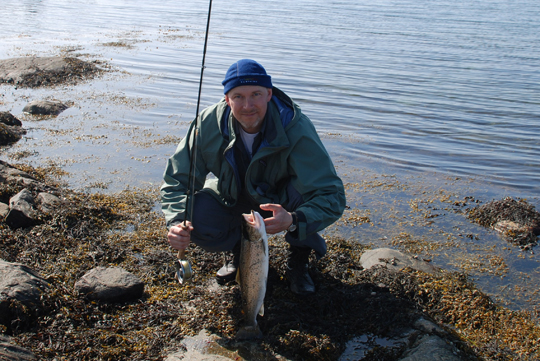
(91,277)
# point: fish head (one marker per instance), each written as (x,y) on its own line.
(256,222)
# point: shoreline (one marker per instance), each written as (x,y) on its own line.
(136,241)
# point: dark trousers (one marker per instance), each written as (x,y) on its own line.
(217,228)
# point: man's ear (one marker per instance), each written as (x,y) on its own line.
(269,94)
(227,100)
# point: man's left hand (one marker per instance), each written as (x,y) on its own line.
(280,221)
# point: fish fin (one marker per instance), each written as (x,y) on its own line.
(238,274)
(261,311)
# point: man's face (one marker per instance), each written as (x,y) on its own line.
(248,104)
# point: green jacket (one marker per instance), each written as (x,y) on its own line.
(291,151)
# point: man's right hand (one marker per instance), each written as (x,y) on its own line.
(179,236)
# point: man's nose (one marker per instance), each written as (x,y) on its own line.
(248,103)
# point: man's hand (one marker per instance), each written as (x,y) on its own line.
(179,236)
(280,221)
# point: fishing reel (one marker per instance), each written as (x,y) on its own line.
(184,272)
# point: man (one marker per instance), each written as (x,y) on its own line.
(264,154)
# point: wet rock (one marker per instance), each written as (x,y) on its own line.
(21,210)
(10,134)
(394,260)
(4,209)
(45,71)
(8,172)
(209,347)
(12,352)
(20,284)
(431,347)
(9,119)
(45,107)
(110,284)
(48,202)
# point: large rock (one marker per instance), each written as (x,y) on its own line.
(10,134)
(110,284)
(12,352)
(394,260)
(45,107)
(9,119)
(22,213)
(20,284)
(49,202)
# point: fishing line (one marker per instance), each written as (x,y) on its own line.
(193,155)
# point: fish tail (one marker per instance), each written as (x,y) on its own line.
(249,333)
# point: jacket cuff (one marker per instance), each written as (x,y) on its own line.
(301,227)
(175,221)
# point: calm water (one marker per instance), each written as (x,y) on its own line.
(404,87)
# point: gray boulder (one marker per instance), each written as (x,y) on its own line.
(20,284)
(45,107)
(12,352)
(111,284)
(48,202)
(21,210)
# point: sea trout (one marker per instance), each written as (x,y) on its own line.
(252,274)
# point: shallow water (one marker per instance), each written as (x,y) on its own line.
(440,96)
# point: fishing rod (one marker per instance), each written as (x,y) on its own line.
(184,271)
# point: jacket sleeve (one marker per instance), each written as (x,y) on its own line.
(174,190)
(315,178)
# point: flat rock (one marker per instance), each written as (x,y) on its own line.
(431,347)
(12,352)
(9,173)
(110,284)
(393,260)
(45,107)
(209,347)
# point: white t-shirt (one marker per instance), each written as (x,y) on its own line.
(248,140)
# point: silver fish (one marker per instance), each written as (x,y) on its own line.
(252,274)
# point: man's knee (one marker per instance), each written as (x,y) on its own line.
(215,227)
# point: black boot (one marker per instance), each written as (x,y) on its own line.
(228,271)
(297,266)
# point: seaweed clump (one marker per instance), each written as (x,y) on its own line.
(516,219)
(34,72)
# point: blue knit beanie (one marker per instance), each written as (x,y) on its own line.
(246,72)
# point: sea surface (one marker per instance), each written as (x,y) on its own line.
(433,94)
